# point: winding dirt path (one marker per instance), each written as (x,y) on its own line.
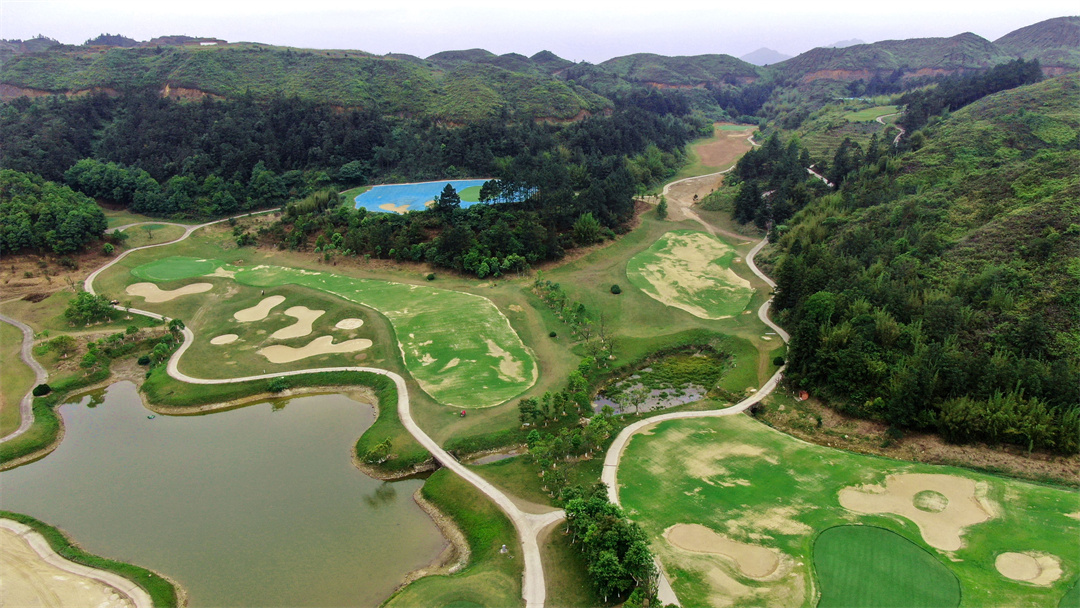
(896,140)
(609,475)
(26,406)
(528,525)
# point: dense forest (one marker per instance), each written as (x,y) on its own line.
(215,158)
(46,216)
(937,287)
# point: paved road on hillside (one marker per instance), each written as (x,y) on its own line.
(614,454)
(26,406)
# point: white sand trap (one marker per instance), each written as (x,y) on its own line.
(398,209)
(304,318)
(259,311)
(225,274)
(224,339)
(154,294)
(1035,568)
(510,369)
(906,495)
(28,580)
(279,353)
(349,324)
(752,560)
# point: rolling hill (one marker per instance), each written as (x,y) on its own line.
(682,72)
(1054,42)
(448,86)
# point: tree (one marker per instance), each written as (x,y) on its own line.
(447,202)
(661,209)
(108,249)
(86,308)
(586,229)
(64,345)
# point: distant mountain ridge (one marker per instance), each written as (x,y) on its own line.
(471,84)
(764,56)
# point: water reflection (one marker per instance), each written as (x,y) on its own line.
(242,507)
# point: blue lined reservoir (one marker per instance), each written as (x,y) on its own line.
(402,198)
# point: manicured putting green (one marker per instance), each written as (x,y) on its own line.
(458,346)
(872,567)
(691,270)
(175,268)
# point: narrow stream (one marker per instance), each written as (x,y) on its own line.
(258,506)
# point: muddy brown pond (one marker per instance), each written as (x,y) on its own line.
(257,506)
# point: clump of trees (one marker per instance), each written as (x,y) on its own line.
(40,215)
(86,308)
(616,550)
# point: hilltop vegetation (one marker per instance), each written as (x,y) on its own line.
(389,86)
(937,290)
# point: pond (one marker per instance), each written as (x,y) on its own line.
(400,198)
(257,506)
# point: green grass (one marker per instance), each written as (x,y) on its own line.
(123,217)
(518,476)
(757,485)
(565,573)
(48,315)
(490,578)
(470,194)
(138,236)
(694,165)
(873,567)
(349,196)
(691,270)
(458,346)
(162,592)
(16,378)
(870,114)
(1071,599)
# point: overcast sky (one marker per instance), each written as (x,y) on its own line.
(576,30)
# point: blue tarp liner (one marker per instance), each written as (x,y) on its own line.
(410,197)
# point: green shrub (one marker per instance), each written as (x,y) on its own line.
(552,334)
(41,390)
(431,276)
(778,361)
(615,289)
(144,360)
(278,384)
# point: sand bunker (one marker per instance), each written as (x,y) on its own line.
(349,324)
(28,580)
(1035,568)
(915,496)
(224,339)
(322,345)
(399,209)
(304,318)
(259,311)
(752,560)
(154,294)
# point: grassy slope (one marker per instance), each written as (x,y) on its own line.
(16,377)
(790,495)
(490,578)
(162,592)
